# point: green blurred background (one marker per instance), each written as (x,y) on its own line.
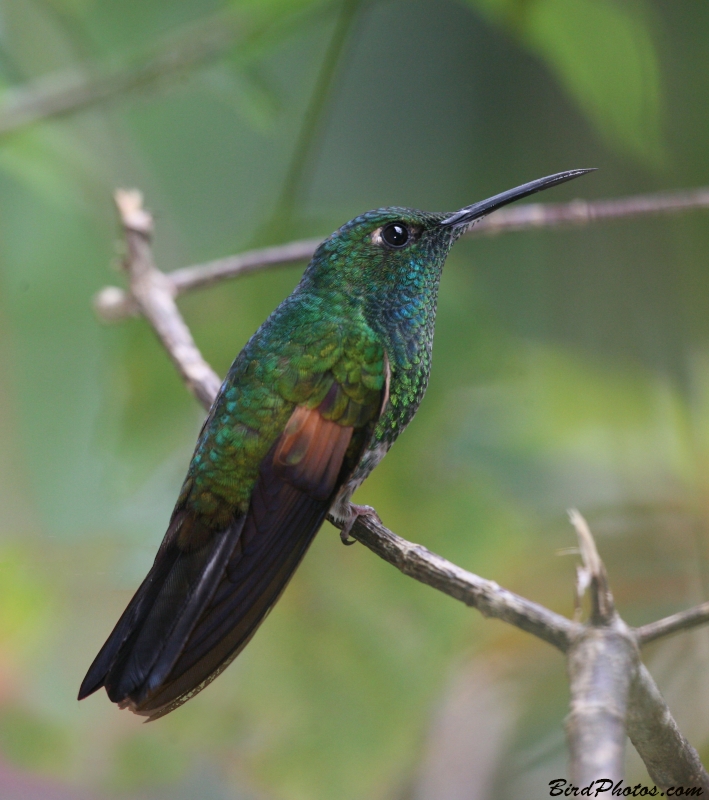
(571,368)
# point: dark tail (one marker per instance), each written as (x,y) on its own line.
(196,611)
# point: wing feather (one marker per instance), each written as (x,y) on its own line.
(162,612)
(297,481)
(209,590)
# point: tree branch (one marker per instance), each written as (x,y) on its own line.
(601,665)
(583,212)
(611,691)
(668,756)
(153,296)
(683,621)
(113,304)
(64,93)
(486,596)
(592,575)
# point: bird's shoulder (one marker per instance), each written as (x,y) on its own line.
(299,352)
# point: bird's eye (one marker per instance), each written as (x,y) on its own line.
(395,234)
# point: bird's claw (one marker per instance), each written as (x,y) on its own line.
(346,539)
(354,513)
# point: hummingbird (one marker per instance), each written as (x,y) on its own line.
(308,409)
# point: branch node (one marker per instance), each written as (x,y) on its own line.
(112,304)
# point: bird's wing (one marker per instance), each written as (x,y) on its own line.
(208,591)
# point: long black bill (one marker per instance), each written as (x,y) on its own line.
(470,213)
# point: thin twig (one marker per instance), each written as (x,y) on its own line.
(196,277)
(612,692)
(683,621)
(582,212)
(64,93)
(113,303)
(486,596)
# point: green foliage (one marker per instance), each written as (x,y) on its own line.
(603,54)
(32,742)
(145,759)
(51,164)
(25,605)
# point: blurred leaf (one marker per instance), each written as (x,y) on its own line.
(30,741)
(146,760)
(52,164)
(75,7)
(137,390)
(275,8)
(573,431)
(32,40)
(24,602)
(271,23)
(259,99)
(603,54)
(247,91)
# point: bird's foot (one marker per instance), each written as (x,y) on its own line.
(353,512)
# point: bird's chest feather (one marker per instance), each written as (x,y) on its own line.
(407,332)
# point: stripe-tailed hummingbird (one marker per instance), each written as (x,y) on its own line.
(309,407)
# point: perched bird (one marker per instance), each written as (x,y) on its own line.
(310,406)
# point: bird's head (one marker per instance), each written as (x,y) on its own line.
(403,248)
